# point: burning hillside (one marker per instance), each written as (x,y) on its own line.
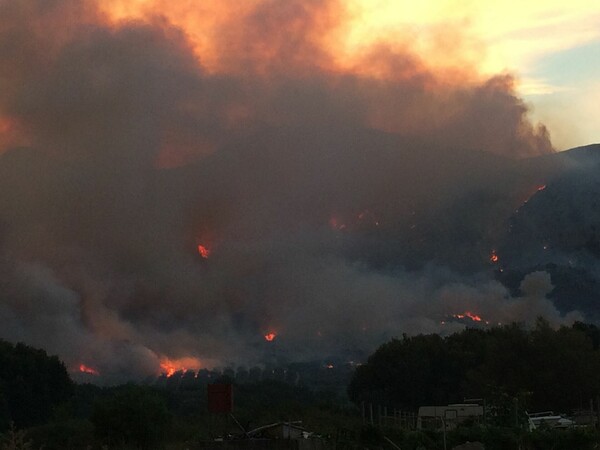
(355,193)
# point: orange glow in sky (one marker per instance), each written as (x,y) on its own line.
(462,40)
(345,32)
(498,36)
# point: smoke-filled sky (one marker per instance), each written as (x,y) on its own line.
(178,179)
(551,47)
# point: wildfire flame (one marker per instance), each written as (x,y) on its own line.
(204,251)
(85,369)
(473,317)
(494,257)
(170,366)
(270,337)
(537,189)
(470,315)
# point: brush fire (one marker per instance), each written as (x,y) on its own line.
(169,367)
(469,315)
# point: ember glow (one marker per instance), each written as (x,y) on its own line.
(204,251)
(85,369)
(270,337)
(494,257)
(531,193)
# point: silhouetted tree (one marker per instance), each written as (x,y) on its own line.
(32,384)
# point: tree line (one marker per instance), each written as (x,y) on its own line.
(544,368)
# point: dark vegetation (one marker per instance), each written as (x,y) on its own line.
(32,384)
(536,369)
(549,369)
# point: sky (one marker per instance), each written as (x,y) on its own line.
(552,47)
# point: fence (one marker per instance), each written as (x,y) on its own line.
(262,444)
(383,416)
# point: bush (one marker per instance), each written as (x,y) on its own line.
(134,416)
(68,434)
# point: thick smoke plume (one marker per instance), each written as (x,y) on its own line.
(340,200)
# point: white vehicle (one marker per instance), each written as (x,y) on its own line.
(448,417)
(548,419)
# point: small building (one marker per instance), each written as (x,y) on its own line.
(470,446)
(275,436)
(280,430)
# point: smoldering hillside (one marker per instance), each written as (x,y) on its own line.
(336,207)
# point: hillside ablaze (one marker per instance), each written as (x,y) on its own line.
(189,261)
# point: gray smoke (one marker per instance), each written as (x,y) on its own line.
(339,209)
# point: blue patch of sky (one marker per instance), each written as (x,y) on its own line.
(570,67)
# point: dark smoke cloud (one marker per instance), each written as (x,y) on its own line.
(340,208)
